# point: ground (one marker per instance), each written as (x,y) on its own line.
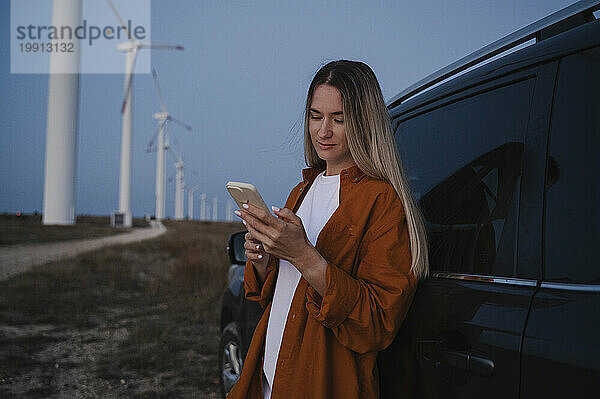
(138,320)
(27,229)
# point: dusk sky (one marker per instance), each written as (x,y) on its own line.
(241,83)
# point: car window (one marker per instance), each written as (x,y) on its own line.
(572,219)
(464,163)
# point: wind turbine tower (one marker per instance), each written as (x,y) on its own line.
(179,187)
(229,212)
(159,190)
(203,206)
(61,128)
(191,202)
(215,210)
(130,48)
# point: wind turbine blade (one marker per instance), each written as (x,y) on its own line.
(114,9)
(151,142)
(129,80)
(185,125)
(163,106)
(161,46)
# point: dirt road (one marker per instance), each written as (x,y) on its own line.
(19,258)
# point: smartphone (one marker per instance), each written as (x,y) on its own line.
(246,193)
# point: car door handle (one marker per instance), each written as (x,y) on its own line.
(468,361)
(434,353)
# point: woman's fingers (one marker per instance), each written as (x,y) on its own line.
(264,217)
(254,250)
(260,213)
(254,246)
(258,225)
(262,238)
(250,239)
(287,215)
(255,256)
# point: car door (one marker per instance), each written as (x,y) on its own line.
(475,162)
(560,347)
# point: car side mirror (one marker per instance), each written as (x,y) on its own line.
(235,248)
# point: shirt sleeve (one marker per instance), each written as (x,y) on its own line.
(365,311)
(256,292)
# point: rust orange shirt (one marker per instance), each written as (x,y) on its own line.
(330,343)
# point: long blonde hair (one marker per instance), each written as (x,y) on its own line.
(371,142)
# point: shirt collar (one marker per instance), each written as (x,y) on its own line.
(353,173)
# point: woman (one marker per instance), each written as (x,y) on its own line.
(337,267)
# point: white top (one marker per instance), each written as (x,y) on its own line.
(321,200)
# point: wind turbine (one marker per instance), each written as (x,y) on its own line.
(215,209)
(163,117)
(191,192)
(229,211)
(130,48)
(179,182)
(203,206)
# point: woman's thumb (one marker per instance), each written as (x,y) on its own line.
(285,214)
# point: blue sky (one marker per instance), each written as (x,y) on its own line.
(241,83)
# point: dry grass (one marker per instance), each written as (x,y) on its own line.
(138,320)
(27,229)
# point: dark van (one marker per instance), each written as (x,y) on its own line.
(503,156)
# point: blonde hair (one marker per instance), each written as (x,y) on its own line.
(371,142)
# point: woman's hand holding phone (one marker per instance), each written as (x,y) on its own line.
(244,193)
